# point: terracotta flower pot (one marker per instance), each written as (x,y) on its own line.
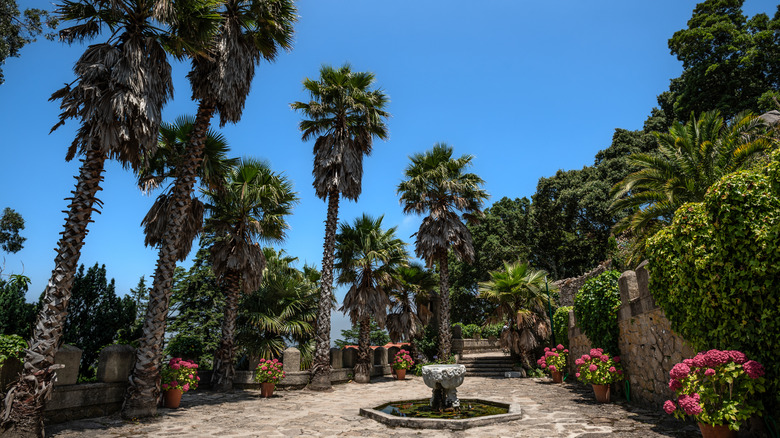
(172,398)
(602,392)
(267,389)
(400,374)
(720,431)
(557,377)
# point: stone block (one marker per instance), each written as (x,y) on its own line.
(380,356)
(627,284)
(115,363)
(514,374)
(336,359)
(291,360)
(643,279)
(69,356)
(349,357)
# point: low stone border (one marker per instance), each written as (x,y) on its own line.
(514,413)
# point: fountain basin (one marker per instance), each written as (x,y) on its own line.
(379,414)
(444,380)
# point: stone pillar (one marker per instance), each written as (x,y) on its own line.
(349,357)
(291,360)
(115,363)
(380,356)
(457,332)
(643,279)
(336,359)
(69,356)
(629,291)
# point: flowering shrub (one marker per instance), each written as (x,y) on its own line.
(269,371)
(180,374)
(717,388)
(598,368)
(554,359)
(402,361)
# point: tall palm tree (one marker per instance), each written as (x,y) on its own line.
(518,292)
(346,115)
(690,158)
(251,208)
(410,304)
(249,30)
(437,184)
(283,308)
(366,256)
(120,88)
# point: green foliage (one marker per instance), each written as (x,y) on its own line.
(95,315)
(716,268)
(16,315)
(19,29)
(469,331)
(11,347)
(596,309)
(492,330)
(535,372)
(351,336)
(188,347)
(561,325)
(427,346)
(11,223)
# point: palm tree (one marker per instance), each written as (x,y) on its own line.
(410,304)
(249,30)
(346,115)
(251,208)
(517,290)
(690,158)
(120,88)
(366,256)
(283,308)
(436,183)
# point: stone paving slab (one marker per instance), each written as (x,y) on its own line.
(550,410)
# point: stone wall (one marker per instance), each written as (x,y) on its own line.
(568,287)
(648,346)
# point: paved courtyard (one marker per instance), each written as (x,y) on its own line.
(550,410)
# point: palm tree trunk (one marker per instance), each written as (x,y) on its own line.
(445,332)
(144,389)
(22,413)
(320,378)
(224,369)
(364,362)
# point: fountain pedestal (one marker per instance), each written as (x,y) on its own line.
(444,381)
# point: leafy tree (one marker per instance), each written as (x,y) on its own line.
(140,296)
(11,223)
(731,63)
(17,29)
(366,259)
(437,184)
(16,315)
(518,291)
(345,115)
(250,207)
(95,316)
(377,336)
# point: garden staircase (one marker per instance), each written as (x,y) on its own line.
(487,364)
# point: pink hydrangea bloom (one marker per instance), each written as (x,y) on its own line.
(559,347)
(700,360)
(737,357)
(197,378)
(544,365)
(753,369)
(164,386)
(620,372)
(546,349)
(612,369)
(596,352)
(680,371)
(709,372)
(577,375)
(175,366)
(566,350)
(579,362)
(688,362)
(593,367)
(604,358)
(716,357)
(690,404)
(675,384)
(669,407)
(585,357)
(186,387)
(552,368)
(616,359)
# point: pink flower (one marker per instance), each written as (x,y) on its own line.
(197,378)
(186,387)
(596,352)
(270,372)
(546,349)
(700,360)
(680,371)
(669,407)
(165,386)
(577,375)
(620,372)
(559,347)
(566,351)
(552,368)
(593,367)
(175,366)
(675,384)
(579,362)
(688,362)
(737,356)
(616,359)
(690,404)
(612,369)
(753,369)
(585,357)
(544,365)
(174,384)
(191,376)
(604,358)
(709,372)
(716,357)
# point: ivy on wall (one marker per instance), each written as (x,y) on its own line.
(596,308)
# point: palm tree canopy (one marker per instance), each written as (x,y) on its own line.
(690,158)
(249,209)
(250,30)
(437,184)
(366,256)
(409,301)
(346,115)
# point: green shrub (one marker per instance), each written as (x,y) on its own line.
(492,330)
(185,346)
(561,323)
(11,346)
(715,271)
(469,331)
(596,308)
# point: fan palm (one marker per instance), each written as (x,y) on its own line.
(251,207)
(517,290)
(346,115)
(366,256)
(410,303)
(690,158)
(436,183)
(120,88)
(283,308)
(249,30)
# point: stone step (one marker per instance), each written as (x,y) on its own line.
(490,374)
(488,369)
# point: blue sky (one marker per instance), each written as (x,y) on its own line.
(526,87)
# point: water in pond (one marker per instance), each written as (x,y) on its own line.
(421,409)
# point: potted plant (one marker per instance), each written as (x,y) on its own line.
(718,389)
(178,377)
(554,361)
(268,373)
(600,370)
(402,362)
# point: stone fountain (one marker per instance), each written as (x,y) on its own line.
(444,381)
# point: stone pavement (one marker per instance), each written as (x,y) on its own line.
(567,410)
